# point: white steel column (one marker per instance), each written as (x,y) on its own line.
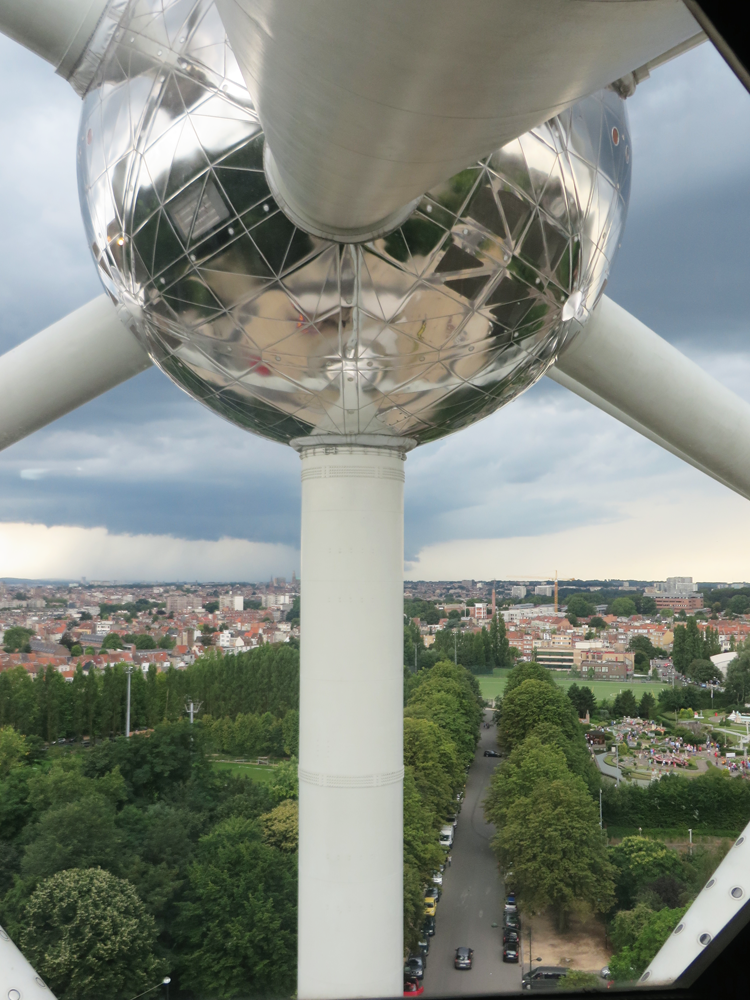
(351,723)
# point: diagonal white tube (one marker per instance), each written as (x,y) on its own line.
(65,366)
(18,979)
(620,365)
(57,30)
(351,723)
(684,954)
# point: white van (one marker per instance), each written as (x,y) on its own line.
(446,836)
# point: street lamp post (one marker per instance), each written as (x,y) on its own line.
(128,671)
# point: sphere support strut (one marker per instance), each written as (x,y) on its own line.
(351,722)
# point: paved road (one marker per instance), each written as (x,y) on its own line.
(472,898)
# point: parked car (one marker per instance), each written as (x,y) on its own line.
(414,967)
(463,958)
(510,952)
(545,977)
(430,900)
(510,897)
(412,987)
(511,919)
(424,947)
(428,927)
(511,936)
(437,878)
(491,753)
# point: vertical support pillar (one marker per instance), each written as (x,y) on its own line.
(351,722)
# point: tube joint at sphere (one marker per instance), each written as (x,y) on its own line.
(351,721)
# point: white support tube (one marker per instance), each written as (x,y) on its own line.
(351,723)
(624,368)
(718,903)
(57,30)
(65,366)
(367,105)
(17,978)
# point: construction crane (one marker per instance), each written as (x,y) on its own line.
(542,576)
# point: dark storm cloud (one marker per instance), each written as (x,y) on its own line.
(147,459)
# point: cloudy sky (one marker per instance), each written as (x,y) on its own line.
(144,483)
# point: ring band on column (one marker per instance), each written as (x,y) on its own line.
(351,780)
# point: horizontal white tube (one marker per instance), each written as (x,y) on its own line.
(620,365)
(65,366)
(57,30)
(368,105)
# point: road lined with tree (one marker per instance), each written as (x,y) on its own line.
(472,899)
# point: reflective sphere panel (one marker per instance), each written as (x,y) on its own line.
(416,334)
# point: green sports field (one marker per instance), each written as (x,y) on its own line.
(254,771)
(494,684)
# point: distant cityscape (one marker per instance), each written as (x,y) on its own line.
(96,623)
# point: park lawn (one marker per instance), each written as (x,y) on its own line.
(492,685)
(258,772)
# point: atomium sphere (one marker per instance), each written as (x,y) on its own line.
(415,334)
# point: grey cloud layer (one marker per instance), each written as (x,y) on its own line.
(145,458)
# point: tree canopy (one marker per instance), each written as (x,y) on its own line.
(91,936)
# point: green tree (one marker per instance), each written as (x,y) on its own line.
(112,641)
(422,855)
(597,622)
(281,826)
(13,749)
(238,926)
(680,653)
(632,960)
(426,611)
(640,861)
(89,935)
(646,705)
(738,604)
(530,705)
(16,639)
(499,642)
(525,672)
(19,706)
(738,678)
(577,979)
(625,705)
(284,783)
(528,770)
(435,763)
(554,846)
(583,699)
(290,732)
(648,605)
(80,834)
(449,696)
(703,671)
(623,607)
(579,606)
(711,642)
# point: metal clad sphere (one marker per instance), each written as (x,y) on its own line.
(416,334)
